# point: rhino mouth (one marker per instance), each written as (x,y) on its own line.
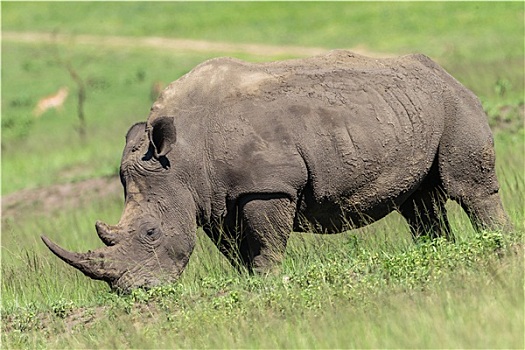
(127,281)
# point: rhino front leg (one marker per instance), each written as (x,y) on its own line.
(267,222)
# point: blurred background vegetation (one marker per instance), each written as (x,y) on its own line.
(480,43)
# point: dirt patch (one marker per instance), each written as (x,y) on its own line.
(69,320)
(83,317)
(69,195)
(174,44)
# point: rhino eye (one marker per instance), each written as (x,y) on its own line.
(153,233)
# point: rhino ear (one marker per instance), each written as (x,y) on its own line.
(162,136)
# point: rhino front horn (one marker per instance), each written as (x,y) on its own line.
(85,262)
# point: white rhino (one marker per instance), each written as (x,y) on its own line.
(252,152)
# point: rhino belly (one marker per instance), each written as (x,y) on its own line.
(353,207)
(351,186)
(364,159)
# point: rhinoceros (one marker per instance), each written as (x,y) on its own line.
(251,152)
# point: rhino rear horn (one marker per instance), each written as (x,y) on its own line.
(162,136)
(106,233)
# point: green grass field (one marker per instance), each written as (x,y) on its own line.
(368,288)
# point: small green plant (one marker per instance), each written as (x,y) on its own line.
(16,126)
(62,308)
(27,319)
(502,86)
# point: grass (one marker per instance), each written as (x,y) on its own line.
(369,288)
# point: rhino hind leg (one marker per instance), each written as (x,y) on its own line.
(467,170)
(266,224)
(425,209)
(486,213)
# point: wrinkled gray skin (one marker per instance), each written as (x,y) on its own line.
(251,152)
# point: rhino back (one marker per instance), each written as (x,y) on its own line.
(339,129)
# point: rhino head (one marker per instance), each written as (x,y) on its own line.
(155,236)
